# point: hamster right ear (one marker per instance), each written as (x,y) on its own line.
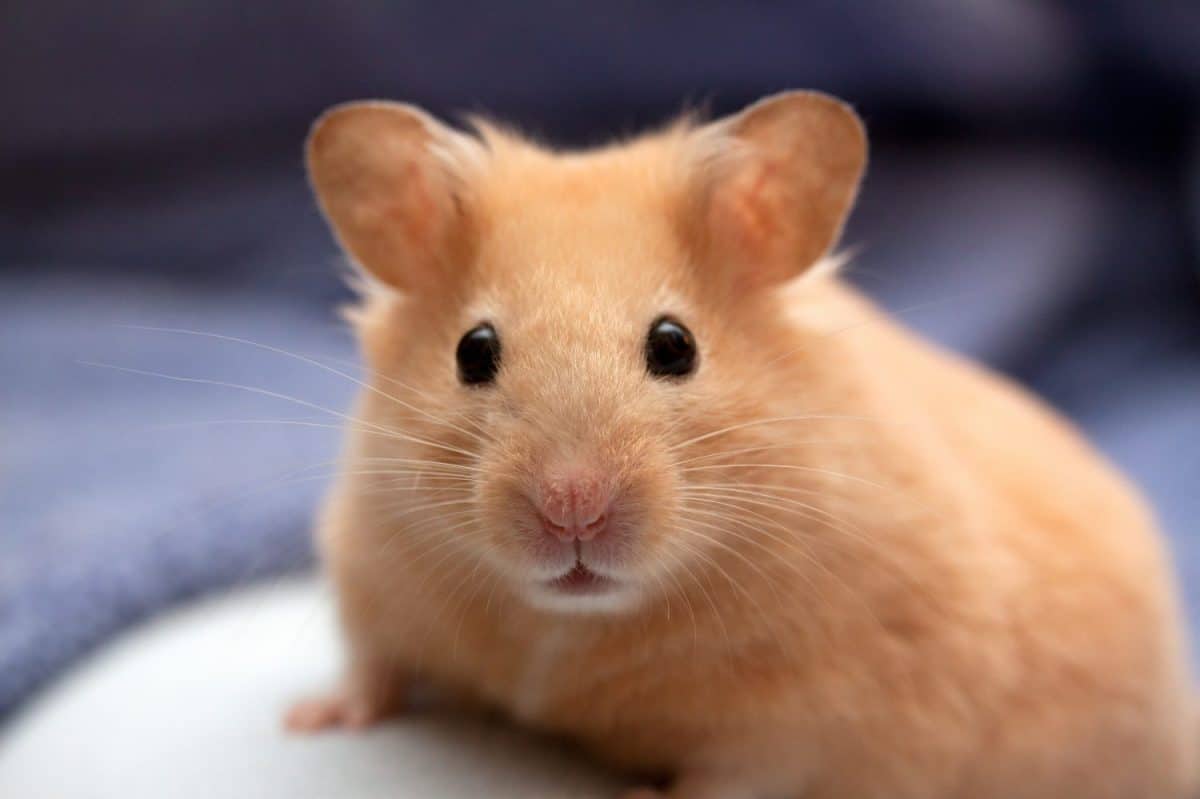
(384,176)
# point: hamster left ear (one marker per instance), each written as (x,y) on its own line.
(780,184)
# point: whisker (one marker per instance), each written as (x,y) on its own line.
(788,445)
(774,420)
(813,561)
(302,423)
(761,498)
(375,373)
(683,595)
(463,468)
(737,586)
(688,517)
(394,434)
(306,360)
(792,466)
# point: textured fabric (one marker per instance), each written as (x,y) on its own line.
(1032,200)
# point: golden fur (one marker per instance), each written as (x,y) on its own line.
(863,567)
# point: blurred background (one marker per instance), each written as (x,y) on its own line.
(1033,200)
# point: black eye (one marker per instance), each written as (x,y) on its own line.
(478,355)
(670,349)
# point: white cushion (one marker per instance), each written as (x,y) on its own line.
(190,706)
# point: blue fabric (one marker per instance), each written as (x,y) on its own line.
(1033,200)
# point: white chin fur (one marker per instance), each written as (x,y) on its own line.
(615,600)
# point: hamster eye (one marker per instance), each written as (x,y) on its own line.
(478,355)
(670,349)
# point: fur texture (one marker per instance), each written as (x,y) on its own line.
(849,565)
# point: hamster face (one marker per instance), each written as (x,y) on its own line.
(574,491)
(563,350)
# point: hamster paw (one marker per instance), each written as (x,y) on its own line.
(333,711)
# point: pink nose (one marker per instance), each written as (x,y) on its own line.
(575,504)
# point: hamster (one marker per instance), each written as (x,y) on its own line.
(634,467)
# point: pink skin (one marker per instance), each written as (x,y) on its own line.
(340,710)
(575,505)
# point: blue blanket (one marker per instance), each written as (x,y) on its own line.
(1029,203)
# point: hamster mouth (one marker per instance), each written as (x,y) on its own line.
(581,580)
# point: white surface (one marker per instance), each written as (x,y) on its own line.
(190,706)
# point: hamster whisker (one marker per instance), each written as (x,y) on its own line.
(415,470)
(810,512)
(794,466)
(763,490)
(218,422)
(731,528)
(766,499)
(401,384)
(785,446)
(283,422)
(391,479)
(487,605)
(457,571)
(734,493)
(714,565)
(456,568)
(682,593)
(722,526)
(417,477)
(428,506)
(361,491)
(774,420)
(729,453)
(713,509)
(894,490)
(704,556)
(303,359)
(406,535)
(458,467)
(739,506)
(396,435)
(275,395)
(666,594)
(795,548)
(401,490)
(469,580)
(734,504)
(482,432)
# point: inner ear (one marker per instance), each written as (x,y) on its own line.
(387,178)
(777,197)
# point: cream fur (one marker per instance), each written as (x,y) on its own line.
(916,582)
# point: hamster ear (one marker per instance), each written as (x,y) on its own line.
(781,183)
(384,176)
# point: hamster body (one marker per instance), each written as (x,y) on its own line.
(635,467)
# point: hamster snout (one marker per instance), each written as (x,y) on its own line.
(574,503)
(577,529)
(584,538)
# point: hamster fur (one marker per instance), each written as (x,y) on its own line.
(835,561)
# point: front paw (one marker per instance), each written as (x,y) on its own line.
(338,710)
